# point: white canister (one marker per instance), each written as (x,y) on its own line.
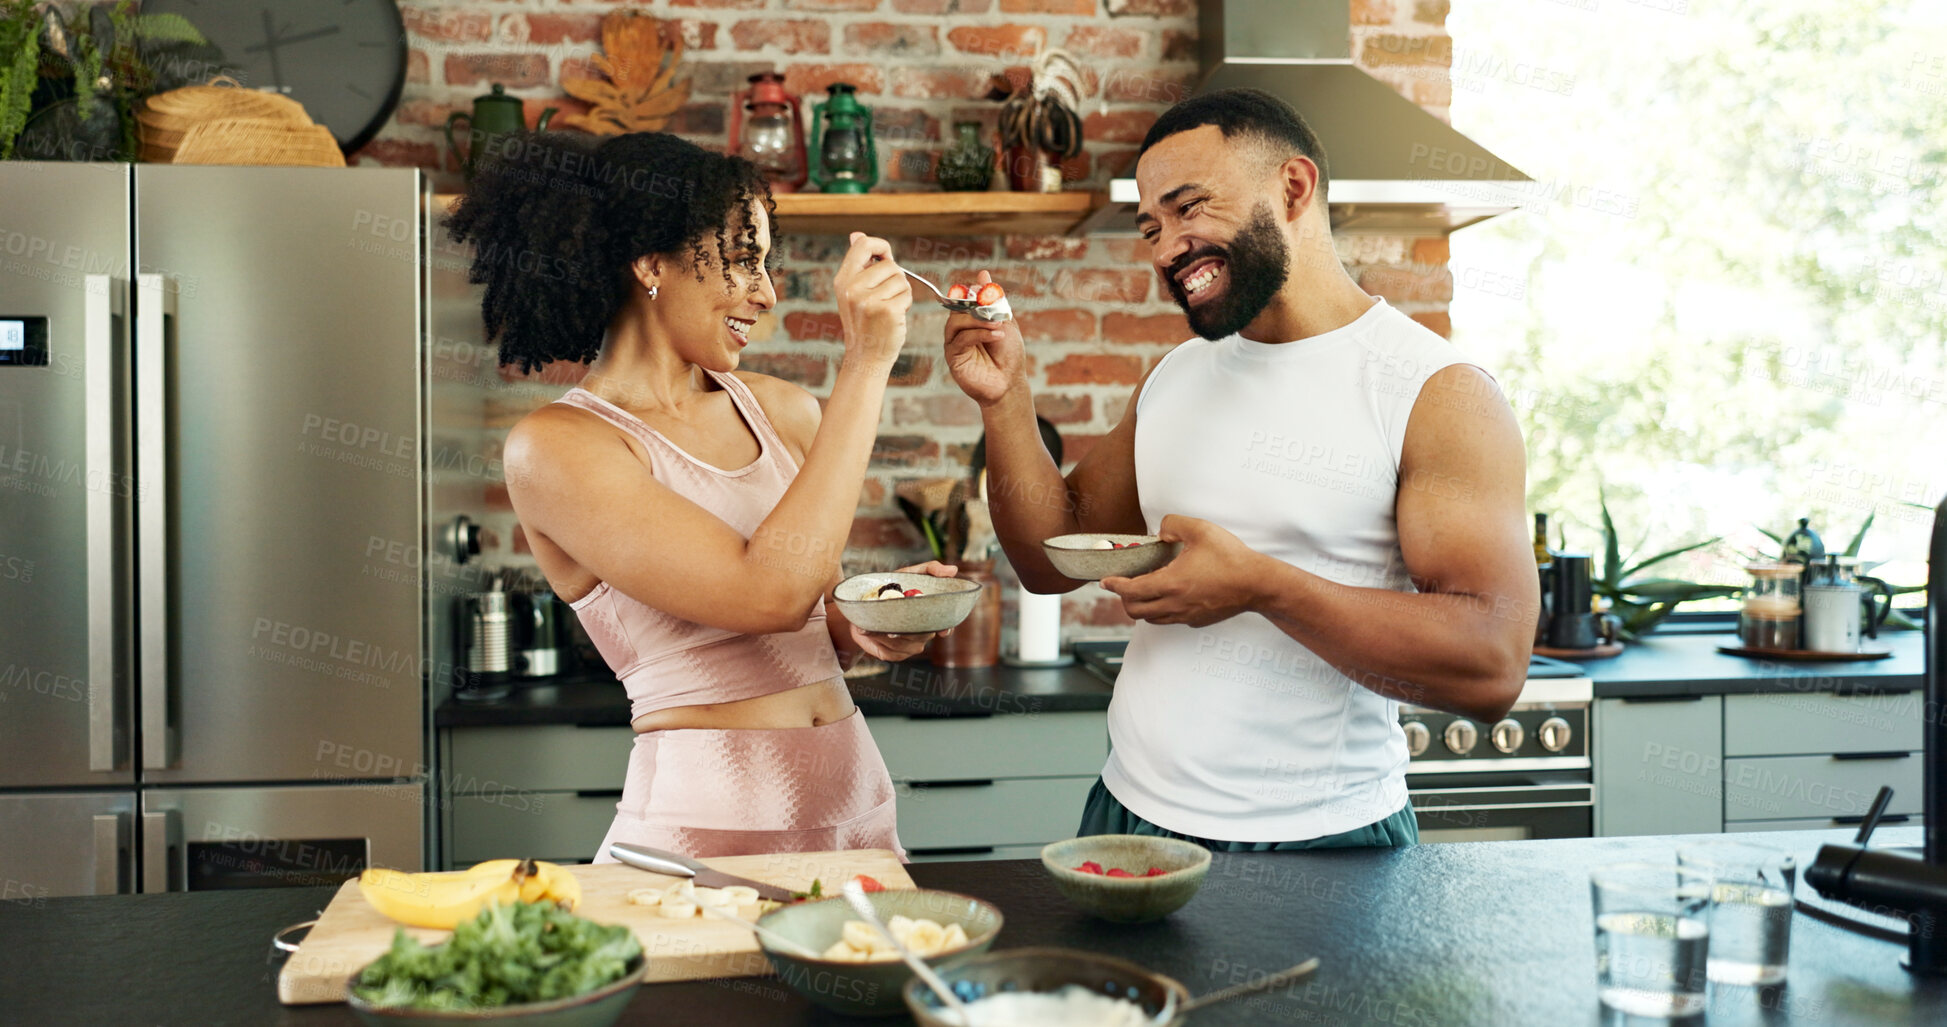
(1038,627)
(1832,618)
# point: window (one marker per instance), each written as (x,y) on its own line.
(1726,306)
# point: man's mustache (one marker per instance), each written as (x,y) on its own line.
(1181,263)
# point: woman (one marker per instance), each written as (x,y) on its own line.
(692,513)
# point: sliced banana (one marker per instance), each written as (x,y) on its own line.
(956,937)
(678,910)
(860,935)
(646,896)
(738,895)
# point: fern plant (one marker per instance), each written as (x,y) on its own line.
(20,47)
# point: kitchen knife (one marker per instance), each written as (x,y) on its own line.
(677,865)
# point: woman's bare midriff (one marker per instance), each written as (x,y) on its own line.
(809,706)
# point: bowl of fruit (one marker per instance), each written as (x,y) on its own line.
(905,602)
(1092,556)
(1127,878)
(855,971)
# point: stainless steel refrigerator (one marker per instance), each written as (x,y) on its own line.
(212,649)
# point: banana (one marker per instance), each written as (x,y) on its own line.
(439,899)
(444,899)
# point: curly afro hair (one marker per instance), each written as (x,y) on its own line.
(558,220)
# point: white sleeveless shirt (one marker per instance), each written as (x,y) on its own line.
(1236,732)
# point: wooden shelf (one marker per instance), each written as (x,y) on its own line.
(905,214)
(897,214)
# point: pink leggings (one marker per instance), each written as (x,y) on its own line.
(751,791)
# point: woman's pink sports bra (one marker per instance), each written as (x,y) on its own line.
(665,661)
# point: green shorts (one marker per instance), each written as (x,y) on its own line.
(1104,814)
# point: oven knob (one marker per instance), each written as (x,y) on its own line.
(1417,737)
(1507,735)
(1460,736)
(1553,734)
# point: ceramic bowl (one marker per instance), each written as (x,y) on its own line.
(1047,969)
(1072,555)
(1128,900)
(598,1008)
(946,602)
(868,989)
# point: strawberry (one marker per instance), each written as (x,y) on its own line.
(1156,872)
(958,292)
(1090,867)
(911,592)
(1119,872)
(868,883)
(989,295)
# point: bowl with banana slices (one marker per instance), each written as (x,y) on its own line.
(858,973)
(905,602)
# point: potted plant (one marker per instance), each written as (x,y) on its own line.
(1642,603)
(73,75)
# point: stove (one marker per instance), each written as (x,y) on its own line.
(1527,775)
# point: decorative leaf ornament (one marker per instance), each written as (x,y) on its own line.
(640,94)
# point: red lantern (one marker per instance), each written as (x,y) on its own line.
(767,130)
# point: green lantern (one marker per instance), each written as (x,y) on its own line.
(841,137)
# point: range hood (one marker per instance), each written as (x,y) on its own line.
(1395,169)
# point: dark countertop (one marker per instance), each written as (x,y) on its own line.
(1494,933)
(1666,664)
(914,688)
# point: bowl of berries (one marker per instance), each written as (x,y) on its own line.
(1127,878)
(1094,556)
(905,602)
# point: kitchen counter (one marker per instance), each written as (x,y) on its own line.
(914,688)
(1469,933)
(1689,664)
(1665,664)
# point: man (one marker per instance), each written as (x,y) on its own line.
(1347,489)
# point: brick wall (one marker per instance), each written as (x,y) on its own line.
(1089,308)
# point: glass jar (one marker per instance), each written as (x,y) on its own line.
(1770,615)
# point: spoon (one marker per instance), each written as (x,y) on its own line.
(777,940)
(992,312)
(855,895)
(1298,972)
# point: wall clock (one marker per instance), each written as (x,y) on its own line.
(344,60)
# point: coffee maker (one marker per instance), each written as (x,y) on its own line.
(1895,881)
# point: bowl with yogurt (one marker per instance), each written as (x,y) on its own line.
(905,602)
(1055,987)
(1092,556)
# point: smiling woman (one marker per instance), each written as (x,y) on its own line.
(693,514)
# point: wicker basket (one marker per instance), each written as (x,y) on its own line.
(224,123)
(247,141)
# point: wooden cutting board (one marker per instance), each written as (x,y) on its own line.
(350,933)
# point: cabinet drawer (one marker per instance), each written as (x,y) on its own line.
(1816,723)
(1849,824)
(1026,811)
(558,826)
(540,758)
(1817,787)
(1004,745)
(976,852)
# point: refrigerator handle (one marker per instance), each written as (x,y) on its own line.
(108,853)
(160,841)
(155,304)
(105,744)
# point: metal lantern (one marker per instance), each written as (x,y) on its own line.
(767,129)
(841,138)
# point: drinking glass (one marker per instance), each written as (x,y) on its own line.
(1652,937)
(1751,915)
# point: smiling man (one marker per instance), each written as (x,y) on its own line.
(1347,488)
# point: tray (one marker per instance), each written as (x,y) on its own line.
(1804,655)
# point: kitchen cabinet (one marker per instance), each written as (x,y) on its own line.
(1799,759)
(976,787)
(1774,761)
(1659,765)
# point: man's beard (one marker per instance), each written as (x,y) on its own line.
(1255,268)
